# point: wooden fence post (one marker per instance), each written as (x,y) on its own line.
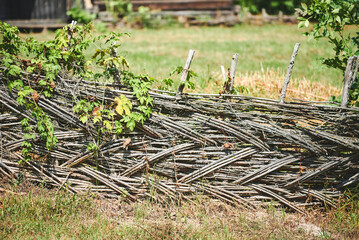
(69,34)
(280,16)
(185,73)
(289,73)
(223,73)
(349,77)
(73,24)
(265,16)
(233,71)
(228,85)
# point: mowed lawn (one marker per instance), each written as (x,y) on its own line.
(157,52)
(264,54)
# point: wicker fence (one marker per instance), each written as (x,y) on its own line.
(238,149)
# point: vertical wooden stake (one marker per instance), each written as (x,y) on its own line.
(185,73)
(349,77)
(280,16)
(289,73)
(73,24)
(265,16)
(69,34)
(233,71)
(223,73)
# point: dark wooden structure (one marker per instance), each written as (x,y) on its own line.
(35,13)
(220,11)
(177,5)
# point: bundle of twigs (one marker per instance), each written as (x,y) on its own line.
(237,149)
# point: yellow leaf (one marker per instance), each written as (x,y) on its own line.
(119,109)
(127,110)
(123,105)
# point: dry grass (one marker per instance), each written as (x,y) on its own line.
(268,84)
(44,214)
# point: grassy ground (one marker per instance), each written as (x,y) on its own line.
(259,47)
(28,212)
(264,53)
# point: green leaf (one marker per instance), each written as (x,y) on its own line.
(47,94)
(119,127)
(131,124)
(107,124)
(30,69)
(338,19)
(24,122)
(336,10)
(97,119)
(14,70)
(83,118)
(304,6)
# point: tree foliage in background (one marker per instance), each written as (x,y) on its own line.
(330,19)
(78,14)
(119,8)
(272,7)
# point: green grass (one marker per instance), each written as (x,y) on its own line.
(40,213)
(159,51)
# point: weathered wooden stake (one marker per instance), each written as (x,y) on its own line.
(185,73)
(289,73)
(73,24)
(349,77)
(223,73)
(233,71)
(280,16)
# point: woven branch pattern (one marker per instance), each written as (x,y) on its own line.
(238,149)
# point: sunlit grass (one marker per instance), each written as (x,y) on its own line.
(266,84)
(40,213)
(158,51)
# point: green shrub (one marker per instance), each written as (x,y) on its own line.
(330,19)
(80,15)
(272,7)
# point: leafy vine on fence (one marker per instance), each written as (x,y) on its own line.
(32,68)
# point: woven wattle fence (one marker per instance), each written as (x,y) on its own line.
(238,149)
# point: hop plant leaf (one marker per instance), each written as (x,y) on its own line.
(124,106)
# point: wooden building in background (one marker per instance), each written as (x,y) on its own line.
(35,13)
(52,13)
(181,5)
(176,5)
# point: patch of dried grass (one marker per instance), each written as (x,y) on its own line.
(268,84)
